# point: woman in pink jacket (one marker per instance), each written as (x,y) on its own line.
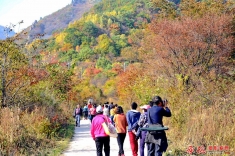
(98,133)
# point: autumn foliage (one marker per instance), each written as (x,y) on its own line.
(191,46)
(191,59)
(121,52)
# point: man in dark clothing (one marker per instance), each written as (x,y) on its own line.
(110,106)
(132,117)
(155,115)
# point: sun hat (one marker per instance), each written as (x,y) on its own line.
(145,107)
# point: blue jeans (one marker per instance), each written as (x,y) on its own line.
(111,117)
(154,150)
(77,117)
(142,143)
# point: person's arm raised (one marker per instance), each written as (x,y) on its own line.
(167,111)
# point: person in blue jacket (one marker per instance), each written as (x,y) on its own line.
(132,119)
(155,115)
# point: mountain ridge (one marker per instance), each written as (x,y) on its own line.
(60,19)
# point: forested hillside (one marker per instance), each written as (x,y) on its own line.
(125,51)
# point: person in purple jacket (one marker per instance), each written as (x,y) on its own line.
(143,122)
(98,133)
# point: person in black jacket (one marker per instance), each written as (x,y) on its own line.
(155,114)
(77,115)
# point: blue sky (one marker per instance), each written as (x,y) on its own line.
(13,11)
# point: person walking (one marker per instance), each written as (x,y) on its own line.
(112,113)
(77,115)
(132,119)
(98,133)
(92,112)
(106,110)
(89,104)
(121,127)
(110,106)
(85,111)
(158,140)
(143,122)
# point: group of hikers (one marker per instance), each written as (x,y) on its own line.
(133,123)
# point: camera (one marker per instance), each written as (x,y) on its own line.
(164,102)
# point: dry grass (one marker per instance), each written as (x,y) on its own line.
(199,122)
(29,132)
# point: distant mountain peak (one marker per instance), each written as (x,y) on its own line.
(74,2)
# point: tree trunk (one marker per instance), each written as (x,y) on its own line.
(3,77)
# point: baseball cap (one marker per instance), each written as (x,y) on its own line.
(99,109)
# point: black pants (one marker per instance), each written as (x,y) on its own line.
(100,142)
(85,114)
(120,139)
(91,118)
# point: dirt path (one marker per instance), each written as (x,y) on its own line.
(83,145)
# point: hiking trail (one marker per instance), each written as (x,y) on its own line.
(83,145)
